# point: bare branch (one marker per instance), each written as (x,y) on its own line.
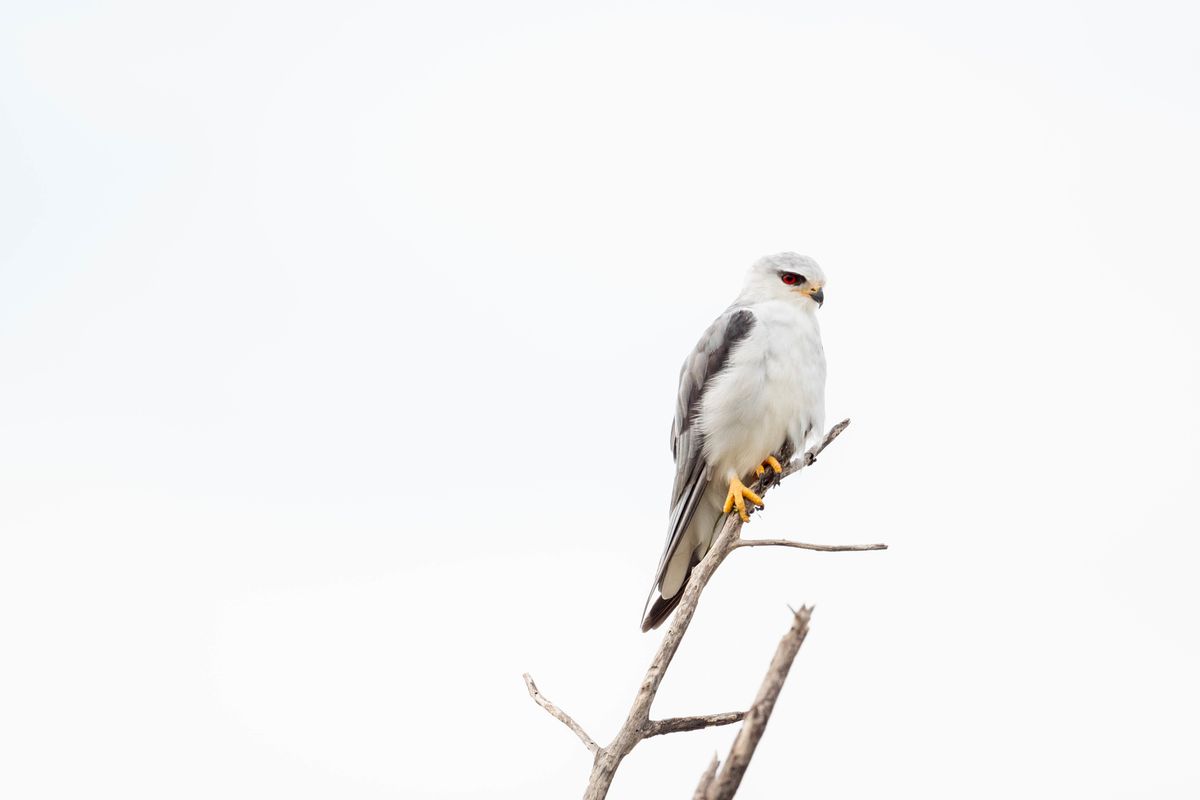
(824,548)
(638,720)
(742,750)
(706,779)
(559,714)
(657,727)
(810,457)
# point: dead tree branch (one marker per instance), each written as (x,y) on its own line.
(706,779)
(559,714)
(679,724)
(742,750)
(638,725)
(824,548)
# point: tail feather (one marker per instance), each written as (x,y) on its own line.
(659,611)
(677,567)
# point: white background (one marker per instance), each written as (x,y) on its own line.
(338,346)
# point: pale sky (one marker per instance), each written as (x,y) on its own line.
(338,348)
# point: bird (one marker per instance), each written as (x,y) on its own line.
(751,393)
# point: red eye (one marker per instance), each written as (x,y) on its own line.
(791,278)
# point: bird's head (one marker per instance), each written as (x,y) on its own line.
(786,276)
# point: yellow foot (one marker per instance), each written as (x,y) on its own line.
(738,495)
(761,469)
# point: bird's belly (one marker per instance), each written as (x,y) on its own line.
(766,396)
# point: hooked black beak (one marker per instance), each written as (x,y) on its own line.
(819,296)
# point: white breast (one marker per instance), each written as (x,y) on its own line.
(772,389)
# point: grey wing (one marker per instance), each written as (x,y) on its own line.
(687,441)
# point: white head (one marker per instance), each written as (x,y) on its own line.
(785,276)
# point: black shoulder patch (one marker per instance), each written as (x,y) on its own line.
(737,327)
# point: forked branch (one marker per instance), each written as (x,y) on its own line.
(638,725)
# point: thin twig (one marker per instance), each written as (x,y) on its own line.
(824,548)
(810,457)
(657,727)
(706,779)
(559,714)
(742,750)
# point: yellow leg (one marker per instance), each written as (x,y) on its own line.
(761,469)
(738,495)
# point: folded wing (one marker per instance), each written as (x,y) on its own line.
(709,357)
